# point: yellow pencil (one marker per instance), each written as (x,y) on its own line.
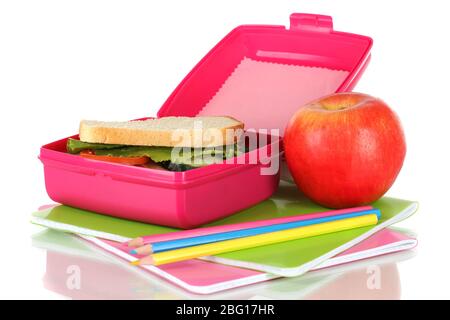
(258,240)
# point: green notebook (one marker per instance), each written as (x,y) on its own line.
(290,258)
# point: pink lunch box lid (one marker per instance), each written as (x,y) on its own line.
(261,74)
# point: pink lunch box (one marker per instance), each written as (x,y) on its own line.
(259,74)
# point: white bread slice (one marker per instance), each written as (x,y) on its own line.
(167,131)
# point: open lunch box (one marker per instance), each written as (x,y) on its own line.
(259,74)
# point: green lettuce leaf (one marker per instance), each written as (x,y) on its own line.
(76,146)
(175,159)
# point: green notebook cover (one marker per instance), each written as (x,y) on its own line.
(290,258)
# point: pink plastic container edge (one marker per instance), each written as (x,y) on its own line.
(178,199)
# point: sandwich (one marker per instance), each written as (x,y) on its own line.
(168,143)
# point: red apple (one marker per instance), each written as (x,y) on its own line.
(344,150)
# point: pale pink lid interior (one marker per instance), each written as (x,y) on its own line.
(264,95)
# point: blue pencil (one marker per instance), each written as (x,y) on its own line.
(199,240)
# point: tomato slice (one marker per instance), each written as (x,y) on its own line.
(132,161)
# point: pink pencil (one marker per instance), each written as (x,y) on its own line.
(140,241)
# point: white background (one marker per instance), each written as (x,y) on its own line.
(61,61)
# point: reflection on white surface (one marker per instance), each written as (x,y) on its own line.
(76,270)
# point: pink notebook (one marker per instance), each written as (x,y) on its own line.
(204,277)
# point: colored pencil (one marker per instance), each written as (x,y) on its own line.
(140,241)
(258,240)
(223,236)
